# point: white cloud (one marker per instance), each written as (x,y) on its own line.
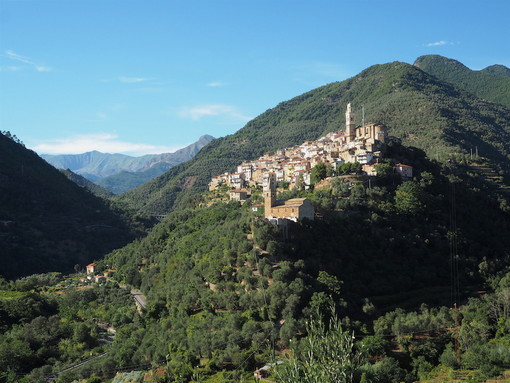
(102,142)
(438,43)
(26,60)
(14,56)
(10,68)
(131,80)
(215,84)
(43,68)
(216,110)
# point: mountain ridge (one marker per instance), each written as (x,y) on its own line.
(95,165)
(421,109)
(49,223)
(491,83)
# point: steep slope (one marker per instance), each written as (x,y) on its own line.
(85,183)
(221,281)
(96,165)
(125,180)
(417,107)
(47,222)
(491,83)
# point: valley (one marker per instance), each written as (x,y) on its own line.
(396,270)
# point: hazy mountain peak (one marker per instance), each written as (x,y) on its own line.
(95,165)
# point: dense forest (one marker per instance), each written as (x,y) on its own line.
(395,280)
(85,183)
(491,83)
(48,222)
(228,293)
(422,110)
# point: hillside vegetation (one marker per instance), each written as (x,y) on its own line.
(491,83)
(222,283)
(49,223)
(85,183)
(422,110)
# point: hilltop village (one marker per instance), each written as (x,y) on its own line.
(363,144)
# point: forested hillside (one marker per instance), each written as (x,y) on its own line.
(49,223)
(491,83)
(226,290)
(85,183)
(417,107)
(363,293)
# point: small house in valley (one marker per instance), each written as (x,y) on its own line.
(91,268)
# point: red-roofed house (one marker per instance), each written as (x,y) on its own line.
(405,171)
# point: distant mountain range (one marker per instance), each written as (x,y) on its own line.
(119,172)
(427,112)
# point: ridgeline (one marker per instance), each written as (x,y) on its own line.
(49,223)
(422,110)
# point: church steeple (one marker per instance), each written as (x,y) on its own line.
(350,126)
(269,188)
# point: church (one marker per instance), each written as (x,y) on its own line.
(295,209)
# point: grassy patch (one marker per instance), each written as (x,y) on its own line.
(5,295)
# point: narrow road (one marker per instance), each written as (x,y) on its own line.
(140,299)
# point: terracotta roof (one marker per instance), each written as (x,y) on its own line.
(406,166)
(294,202)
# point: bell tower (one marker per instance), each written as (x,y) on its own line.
(269,189)
(350,126)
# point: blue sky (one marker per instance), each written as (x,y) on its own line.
(151,76)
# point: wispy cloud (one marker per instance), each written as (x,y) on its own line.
(9,68)
(102,142)
(43,68)
(438,43)
(131,80)
(215,84)
(216,110)
(14,56)
(26,60)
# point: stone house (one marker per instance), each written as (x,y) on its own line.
(238,195)
(405,171)
(91,268)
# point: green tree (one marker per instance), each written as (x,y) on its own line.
(327,355)
(409,198)
(319,172)
(384,171)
